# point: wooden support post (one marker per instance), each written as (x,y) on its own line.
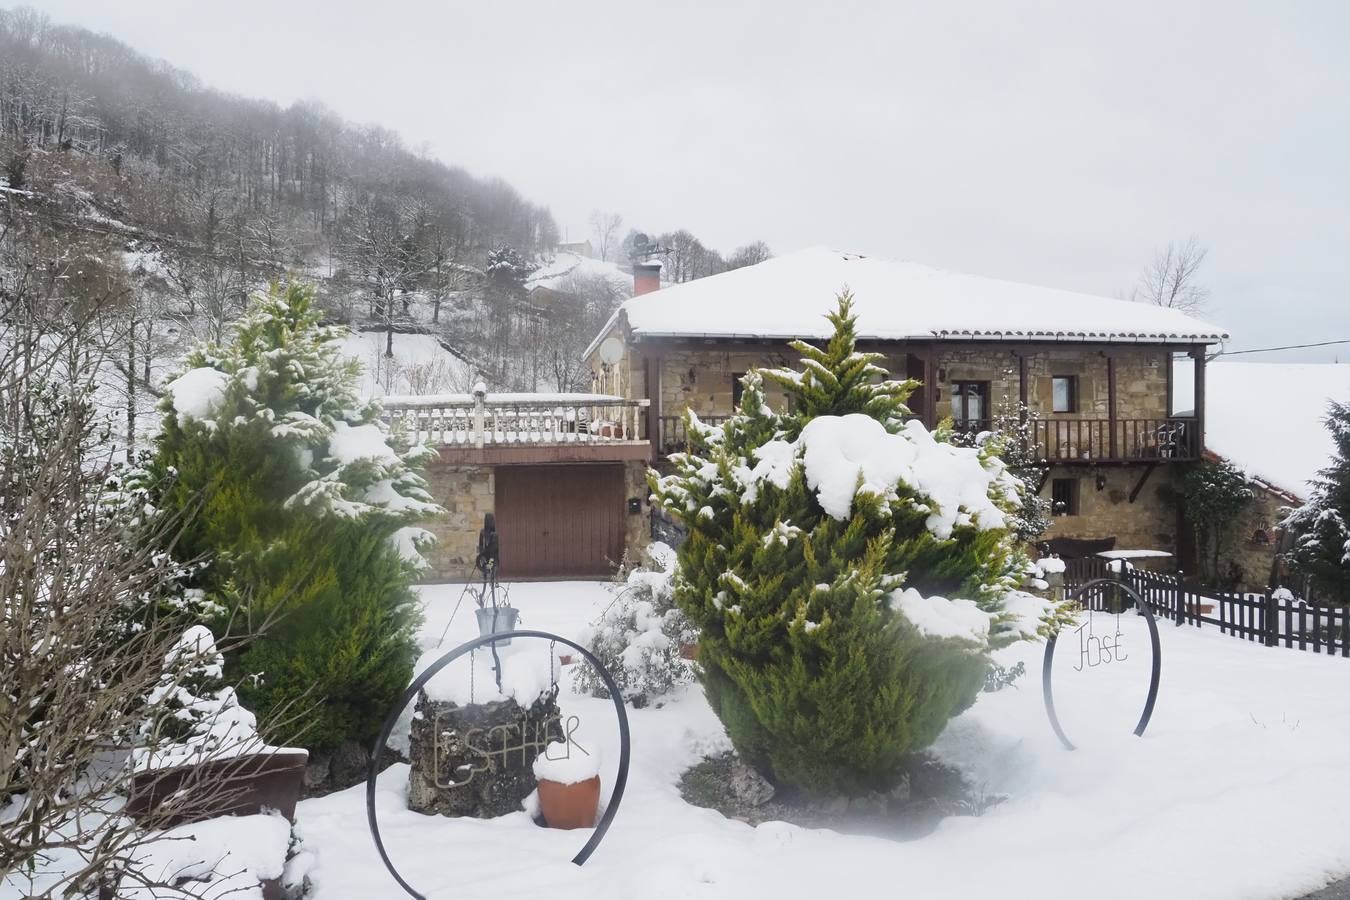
(930,387)
(1198,354)
(1023,410)
(651,387)
(1113,451)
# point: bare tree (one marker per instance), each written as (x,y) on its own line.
(1171,279)
(606,228)
(749,255)
(91,597)
(383,249)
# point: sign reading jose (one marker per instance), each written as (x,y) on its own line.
(1098,642)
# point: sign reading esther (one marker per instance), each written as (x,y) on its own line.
(500,746)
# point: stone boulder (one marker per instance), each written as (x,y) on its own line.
(477,760)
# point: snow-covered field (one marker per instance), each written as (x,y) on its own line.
(1238,790)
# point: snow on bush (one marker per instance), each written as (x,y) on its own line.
(199,717)
(638,636)
(843,456)
(849,571)
(197,393)
(1051,565)
(223,857)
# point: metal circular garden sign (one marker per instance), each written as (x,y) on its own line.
(1107,650)
(621,779)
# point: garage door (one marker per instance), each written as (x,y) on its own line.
(559,520)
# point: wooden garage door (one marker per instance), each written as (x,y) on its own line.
(559,520)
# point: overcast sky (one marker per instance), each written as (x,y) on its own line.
(1056,143)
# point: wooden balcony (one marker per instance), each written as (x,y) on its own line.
(1106,440)
(490,429)
(1054,440)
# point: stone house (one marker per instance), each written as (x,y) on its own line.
(1095,375)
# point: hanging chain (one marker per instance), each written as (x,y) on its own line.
(552,658)
(472,663)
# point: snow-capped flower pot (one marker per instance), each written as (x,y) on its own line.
(497,619)
(569,786)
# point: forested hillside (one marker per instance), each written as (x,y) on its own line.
(185,200)
(127,183)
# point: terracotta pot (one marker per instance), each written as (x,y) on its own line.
(564,659)
(689,651)
(569,806)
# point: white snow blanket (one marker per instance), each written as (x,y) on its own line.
(1232,794)
(1268,418)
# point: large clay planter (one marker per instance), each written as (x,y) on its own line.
(569,806)
(231,786)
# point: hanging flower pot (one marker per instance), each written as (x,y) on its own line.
(569,786)
(497,619)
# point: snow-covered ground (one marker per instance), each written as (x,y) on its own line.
(1236,791)
(565,269)
(1269,419)
(420,365)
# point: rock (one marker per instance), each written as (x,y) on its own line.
(477,760)
(348,767)
(316,774)
(749,787)
(900,793)
(872,804)
(835,806)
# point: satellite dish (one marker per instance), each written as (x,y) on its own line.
(611,350)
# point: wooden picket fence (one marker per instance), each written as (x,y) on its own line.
(1274,619)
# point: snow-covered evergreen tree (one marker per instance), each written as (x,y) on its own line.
(1321,529)
(1215,493)
(849,571)
(305,513)
(638,636)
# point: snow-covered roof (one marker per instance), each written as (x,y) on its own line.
(787,297)
(1268,419)
(554,274)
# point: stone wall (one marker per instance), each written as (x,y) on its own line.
(637,526)
(702,380)
(1141,380)
(1149,523)
(1252,541)
(467,493)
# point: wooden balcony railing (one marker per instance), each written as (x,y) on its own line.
(674,437)
(1053,440)
(469,420)
(1064,440)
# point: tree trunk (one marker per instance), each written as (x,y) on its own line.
(131,392)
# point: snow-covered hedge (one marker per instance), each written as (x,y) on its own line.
(639,635)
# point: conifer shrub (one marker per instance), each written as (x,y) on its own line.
(1319,552)
(849,571)
(304,521)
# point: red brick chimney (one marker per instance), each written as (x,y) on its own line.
(646,277)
